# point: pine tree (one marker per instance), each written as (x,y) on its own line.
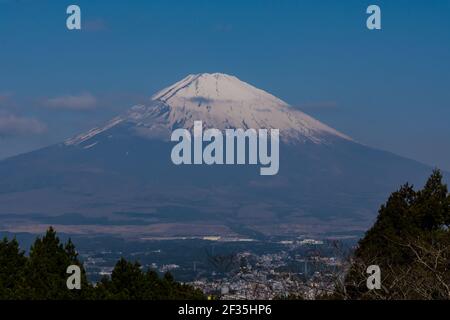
(45,271)
(42,276)
(410,243)
(12,262)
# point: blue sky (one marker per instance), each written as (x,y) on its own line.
(389,89)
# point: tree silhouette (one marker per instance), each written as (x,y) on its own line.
(42,276)
(410,242)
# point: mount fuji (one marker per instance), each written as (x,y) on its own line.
(118,177)
(220,101)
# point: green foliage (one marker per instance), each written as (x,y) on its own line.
(45,270)
(410,241)
(42,276)
(12,263)
(129,282)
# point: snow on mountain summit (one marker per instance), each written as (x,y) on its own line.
(221,101)
(215,87)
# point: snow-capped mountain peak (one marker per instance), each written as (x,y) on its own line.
(217,87)
(220,101)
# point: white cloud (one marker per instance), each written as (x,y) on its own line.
(84,101)
(11,125)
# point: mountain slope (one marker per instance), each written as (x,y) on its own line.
(220,101)
(119,177)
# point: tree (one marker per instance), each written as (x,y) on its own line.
(45,270)
(129,282)
(410,242)
(126,283)
(42,276)
(12,262)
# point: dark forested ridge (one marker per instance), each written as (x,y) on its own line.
(42,276)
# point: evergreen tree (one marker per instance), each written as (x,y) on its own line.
(12,262)
(42,276)
(45,271)
(129,282)
(410,243)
